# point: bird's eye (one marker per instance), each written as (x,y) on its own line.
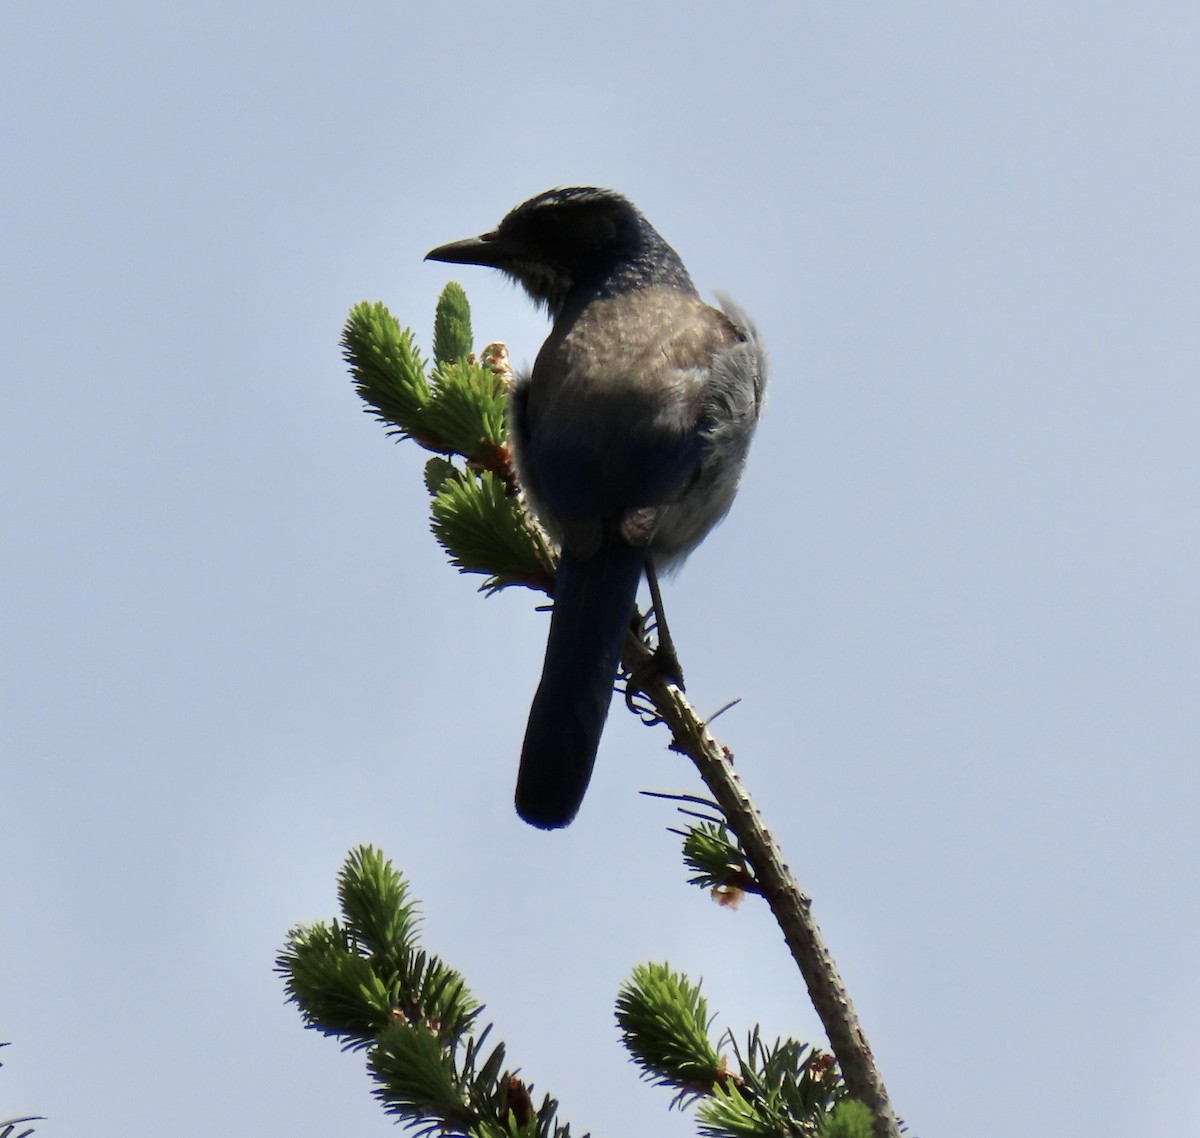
(598,231)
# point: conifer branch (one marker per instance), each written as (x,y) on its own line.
(479,519)
(772,877)
(365,980)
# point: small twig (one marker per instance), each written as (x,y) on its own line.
(791,907)
(724,708)
(695,799)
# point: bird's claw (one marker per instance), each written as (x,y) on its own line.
(662,664)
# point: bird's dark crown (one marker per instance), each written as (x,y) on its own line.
(575,241)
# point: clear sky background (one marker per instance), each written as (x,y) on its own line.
(957,594)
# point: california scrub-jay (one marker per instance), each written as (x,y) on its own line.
(629,438)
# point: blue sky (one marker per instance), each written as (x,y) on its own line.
(957,594)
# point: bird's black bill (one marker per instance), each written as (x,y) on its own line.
(485,250)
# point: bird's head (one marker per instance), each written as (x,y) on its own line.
(571,241)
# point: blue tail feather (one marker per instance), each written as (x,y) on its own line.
(593,601)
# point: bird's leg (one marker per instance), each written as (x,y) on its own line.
(637,528)
(666,659)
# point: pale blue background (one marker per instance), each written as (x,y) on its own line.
(958,593)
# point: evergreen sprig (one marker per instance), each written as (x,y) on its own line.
(370,891)
(388,371)
(484,529)
(367,981)
(664,1025)
(849,1119)
(731,1114)
(338,992)
(468,1092)
(786,1089)
(717,862)
(457,410)
(416,1079)
(467,411)
(452,325)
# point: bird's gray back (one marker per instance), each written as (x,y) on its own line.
(645,399)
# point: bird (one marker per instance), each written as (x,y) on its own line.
(629,436)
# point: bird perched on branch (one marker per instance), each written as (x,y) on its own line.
(629,438)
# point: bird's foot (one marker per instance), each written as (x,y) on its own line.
(662,664)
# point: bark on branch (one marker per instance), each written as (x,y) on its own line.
(792,908)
